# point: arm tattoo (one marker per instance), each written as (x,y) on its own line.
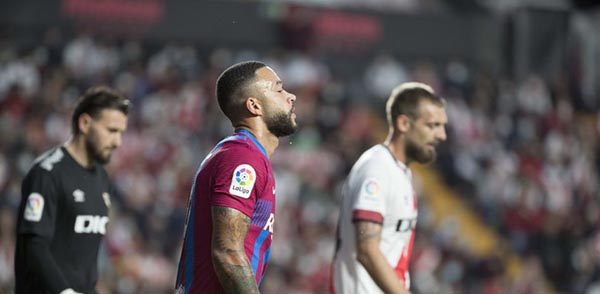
(229,256)
(367,231)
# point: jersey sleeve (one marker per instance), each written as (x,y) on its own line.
(368,192)
(238,179)
(38,204)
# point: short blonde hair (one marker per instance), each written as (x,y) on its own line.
(405,99)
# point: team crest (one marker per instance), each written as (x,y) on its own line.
(106,198)
(242,181)
(34,208)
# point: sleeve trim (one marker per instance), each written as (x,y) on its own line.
(235,205)
(359,214)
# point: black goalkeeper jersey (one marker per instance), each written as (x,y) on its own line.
(62,218)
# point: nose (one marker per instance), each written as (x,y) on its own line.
(442,134)
(117,140)
(292,98)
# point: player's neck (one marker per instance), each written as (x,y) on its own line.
(76,148)
(396,147)
(264,137)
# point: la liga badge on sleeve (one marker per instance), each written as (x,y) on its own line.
(34,207)
(242,181)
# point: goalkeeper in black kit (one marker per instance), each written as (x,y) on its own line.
(65,200)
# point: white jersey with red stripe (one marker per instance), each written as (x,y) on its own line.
(379,189)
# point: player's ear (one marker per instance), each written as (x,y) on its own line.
(253,105)
(85,122)
(403,123)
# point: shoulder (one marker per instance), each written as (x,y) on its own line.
(44,174)
(49,162)
(242,151)
(375,160)
(237,144)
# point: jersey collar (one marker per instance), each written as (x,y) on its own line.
(254,140)
(70,157)
(400,164)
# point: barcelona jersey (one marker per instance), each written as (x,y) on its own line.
(236,174)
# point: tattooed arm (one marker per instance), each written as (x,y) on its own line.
(228,255)
(368,235)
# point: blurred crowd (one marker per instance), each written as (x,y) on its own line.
(520,153)
(525,154)
(383,5)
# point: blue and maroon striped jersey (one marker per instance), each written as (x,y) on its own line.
(237,174)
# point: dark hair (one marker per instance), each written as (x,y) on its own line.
(405,100)
(231,87)
(96,99)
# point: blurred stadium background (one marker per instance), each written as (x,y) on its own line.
(511,206)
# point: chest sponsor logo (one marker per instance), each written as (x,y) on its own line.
(405,225)
(78,196)
(269,224)
(91,224)
(242,181)
(34,208)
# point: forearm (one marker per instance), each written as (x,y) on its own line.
(381,272)
(234,272)
(40,260)
(368,236)
(228,253)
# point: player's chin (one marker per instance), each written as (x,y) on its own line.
(431,156)
(105,158)
(426,156)
(292,120)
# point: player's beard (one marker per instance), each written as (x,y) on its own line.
(94,149)
(281,124)
(418,153)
